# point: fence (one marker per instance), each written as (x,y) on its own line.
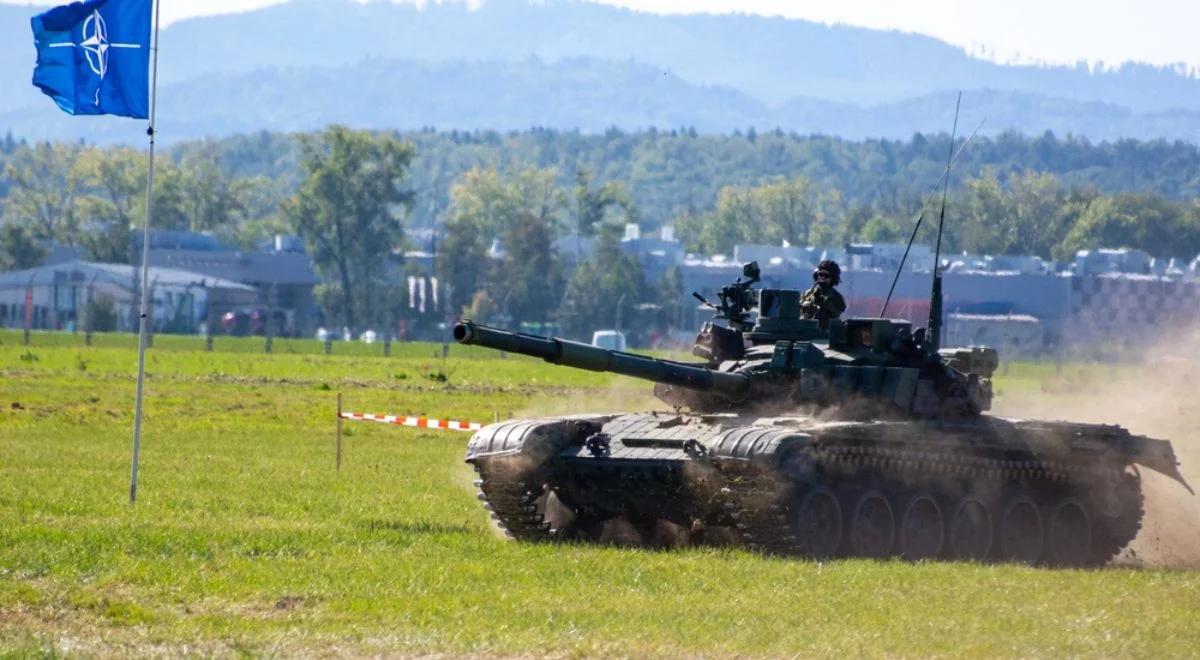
(252,344)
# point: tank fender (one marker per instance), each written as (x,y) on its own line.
(1059,440)
(1158,455)
(760,445)
(538,439)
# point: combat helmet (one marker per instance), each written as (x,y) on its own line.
(829,266)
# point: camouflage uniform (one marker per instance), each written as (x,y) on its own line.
(822,303)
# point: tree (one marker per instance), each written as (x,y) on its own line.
(213,201)
(734,221)
(983,226)
(670,297)
(115,180)
(18,248)
(1024,215)
(43,190)
(348,212)
(101,313)
(791,211)
(881,229)
(787,210)
(1075,204)
(92,197)
(171,209)
(470,222)
(1037,201)
(853,221)
(528,275)
(9,143)
(603,287)
(591,204)
(522,280)
(1147,222)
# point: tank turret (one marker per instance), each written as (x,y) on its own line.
(866,366)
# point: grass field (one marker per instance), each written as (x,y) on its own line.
(246,540)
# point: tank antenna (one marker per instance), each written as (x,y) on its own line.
(921,213)
(934,327)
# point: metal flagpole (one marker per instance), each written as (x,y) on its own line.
(145,306)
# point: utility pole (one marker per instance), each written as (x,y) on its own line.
(89,313)
(28,308)
(268,328)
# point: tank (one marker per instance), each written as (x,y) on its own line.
(859,438)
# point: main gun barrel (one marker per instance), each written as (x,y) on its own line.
(585,356)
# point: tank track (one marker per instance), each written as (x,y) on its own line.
(754,503)
(512,496)
(757,499)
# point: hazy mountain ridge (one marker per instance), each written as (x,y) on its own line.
(586,94)
(570,64)
(771,59)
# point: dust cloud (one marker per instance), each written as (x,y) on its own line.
(1157,397)
(624,395)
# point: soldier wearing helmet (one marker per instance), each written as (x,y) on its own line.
(823,302)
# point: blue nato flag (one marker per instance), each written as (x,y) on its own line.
(93,57)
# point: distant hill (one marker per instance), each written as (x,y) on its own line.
(571,64)
(586,94)
(771,59)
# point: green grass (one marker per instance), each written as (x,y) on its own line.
(227,344)
(246,540)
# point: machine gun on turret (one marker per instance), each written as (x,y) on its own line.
(737,299)
(716,343)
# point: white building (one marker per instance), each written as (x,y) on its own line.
(55,297)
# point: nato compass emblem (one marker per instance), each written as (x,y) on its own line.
(95,46)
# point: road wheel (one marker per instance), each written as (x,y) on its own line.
(1021,531)
(922,528)
(1069,533)
(872,526)
(971,532)
(818,523)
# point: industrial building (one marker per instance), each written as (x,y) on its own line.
(81,295)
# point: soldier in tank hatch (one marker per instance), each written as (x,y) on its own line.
(823,302)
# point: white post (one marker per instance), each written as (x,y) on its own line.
(145,306)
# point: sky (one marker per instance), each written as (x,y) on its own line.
(1047,31)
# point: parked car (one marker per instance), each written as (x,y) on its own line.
(612,340)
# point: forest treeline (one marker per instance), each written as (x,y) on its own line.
(1009,195)
(669,171)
